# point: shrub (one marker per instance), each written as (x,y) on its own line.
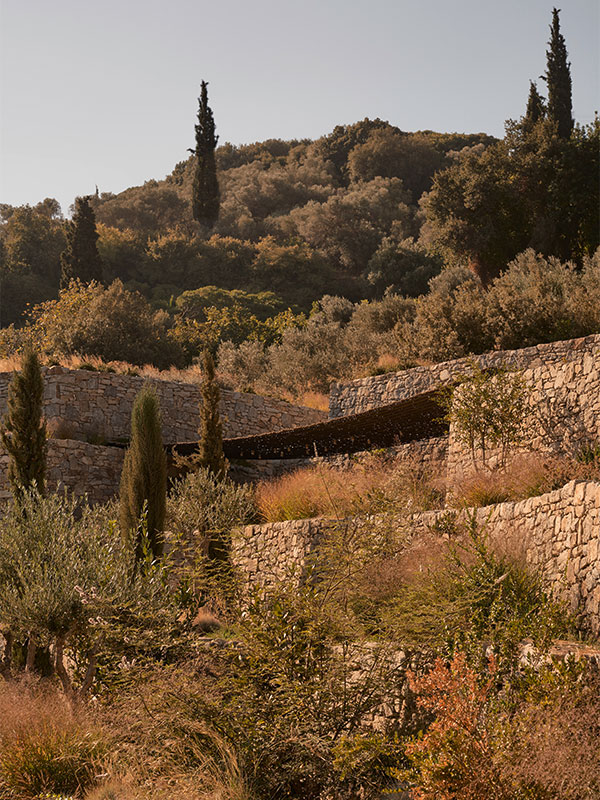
(487,412)
(201,508)
(536,299)
(550,741)
(143,487)
(67,579)
(473,595)
(454,757)
(290,705)
(534,738)
(112,323)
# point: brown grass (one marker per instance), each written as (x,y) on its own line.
(316,400)
(528,475)
(145,744)
(554,744)
(191,374)
(44,745)
(163,749)
(374,485)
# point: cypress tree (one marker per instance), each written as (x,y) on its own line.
(24,432)
(558,80)
(535,107)
(211,431)
(205,188)
(144,476)
(81,259)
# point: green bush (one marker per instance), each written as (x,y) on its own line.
(111,323)
(475,595)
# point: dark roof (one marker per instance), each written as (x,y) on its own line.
(419,417)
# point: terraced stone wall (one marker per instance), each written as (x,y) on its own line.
(558,532)
(563,399)
(81,468)
(97,406)
(366,393)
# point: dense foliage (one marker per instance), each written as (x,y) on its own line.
(24,433)
(143,487)
(205,195)
(80,259)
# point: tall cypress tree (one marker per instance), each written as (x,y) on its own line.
(558,80)
(24,432)
(144,476)
(81,259)
(535,107)
(211,430)
(205,188)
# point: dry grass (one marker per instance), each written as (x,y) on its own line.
(375,485)
(554,744)
(163,749)
(308,400)
(44,745)
(528,475)
(147,744)
(191,374)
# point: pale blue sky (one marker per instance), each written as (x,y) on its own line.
(105,92)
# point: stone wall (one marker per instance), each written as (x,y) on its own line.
(82,468)
(366,393)
(425,453)
(558,532)
(563,397)
(97,406)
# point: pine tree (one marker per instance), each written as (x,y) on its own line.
(211,431)
(535,107)
(558,80)
(81,259)
(144,476)
(205,188)
(24,432)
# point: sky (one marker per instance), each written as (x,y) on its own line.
(105,93)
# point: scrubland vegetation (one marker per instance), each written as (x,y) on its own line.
(276,701)
(134,666)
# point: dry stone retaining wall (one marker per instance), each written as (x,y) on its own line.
(564,408)
(82,468)
(97,405)
(558,532)
(366,393)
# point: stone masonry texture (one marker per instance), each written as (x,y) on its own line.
(366,393)
(79,467)
(558,532)
(97,406)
